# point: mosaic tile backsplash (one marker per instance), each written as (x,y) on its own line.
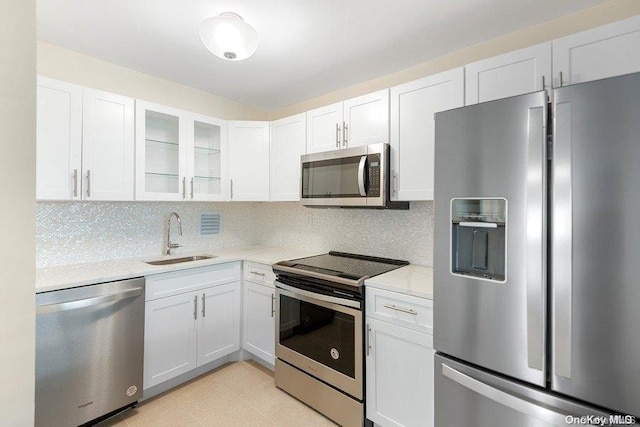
(75,232)
(406,235)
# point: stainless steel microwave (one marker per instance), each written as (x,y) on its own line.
(351,177)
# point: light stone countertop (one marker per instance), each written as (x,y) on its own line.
(413,280)
(73,275)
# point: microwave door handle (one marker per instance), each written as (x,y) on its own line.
(361,177)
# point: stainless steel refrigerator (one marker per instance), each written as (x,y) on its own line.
(537,259)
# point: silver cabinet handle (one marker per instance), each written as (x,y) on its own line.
(395,182)
(404,310)
(184,187)
(273,304)
(543,83)
(257,274)
(88,183)
(505,399)
(361,176)
(368,339)
(88,302)
(535,252)
(75,183)
(204,308)
(337,135)
(561,82)
(345,128)
(191,188)
(195,307)
(562,240)
(231,189)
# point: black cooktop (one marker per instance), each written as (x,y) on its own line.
(345,265)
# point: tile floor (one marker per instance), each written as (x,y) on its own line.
(240,394)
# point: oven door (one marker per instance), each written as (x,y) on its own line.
(322,336)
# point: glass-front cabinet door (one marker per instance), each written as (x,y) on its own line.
(206,158)
(179,155)
(161,150)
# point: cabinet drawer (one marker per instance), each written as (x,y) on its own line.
(404,310)
(259,273)
(192,279)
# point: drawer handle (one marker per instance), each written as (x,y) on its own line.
(257,274)
(404,310)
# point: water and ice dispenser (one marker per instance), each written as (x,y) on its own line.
(478,238)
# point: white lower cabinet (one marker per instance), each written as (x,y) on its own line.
(259,324)
(185,330)
(399,369)
(170,338)
(218,322)
(259,321)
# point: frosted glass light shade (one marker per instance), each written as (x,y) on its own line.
(227,36)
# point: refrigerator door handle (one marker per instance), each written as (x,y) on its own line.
(535,246)
(514,402)
(562,237)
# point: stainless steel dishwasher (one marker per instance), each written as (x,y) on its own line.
(89,352)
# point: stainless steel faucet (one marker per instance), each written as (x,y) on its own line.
(170,245)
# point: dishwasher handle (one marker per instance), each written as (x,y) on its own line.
(88,302)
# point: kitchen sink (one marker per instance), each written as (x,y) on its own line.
(180,260)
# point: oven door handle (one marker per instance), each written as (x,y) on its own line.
(361,176)
(319,297)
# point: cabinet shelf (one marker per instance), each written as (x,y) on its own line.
(205,150)
(157,141)
(168,175)
(208,178)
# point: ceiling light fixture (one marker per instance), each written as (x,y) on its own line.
(227,36)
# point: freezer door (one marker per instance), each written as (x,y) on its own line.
(468,397)
(596,243)
(494,151)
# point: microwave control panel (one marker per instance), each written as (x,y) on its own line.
(373,184)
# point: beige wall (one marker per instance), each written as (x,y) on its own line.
(605,13)
(17,226)
(63,64)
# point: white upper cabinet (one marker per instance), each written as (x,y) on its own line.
(85,143)
(324,128)
(288,143)
(514,73)
(59,140)
(249,160)
(358,121)
(366,119)
(206,158)
(180,155)
(107,146)
(602,52)
(161,152)
(413,106)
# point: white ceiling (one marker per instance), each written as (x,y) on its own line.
(307,47)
